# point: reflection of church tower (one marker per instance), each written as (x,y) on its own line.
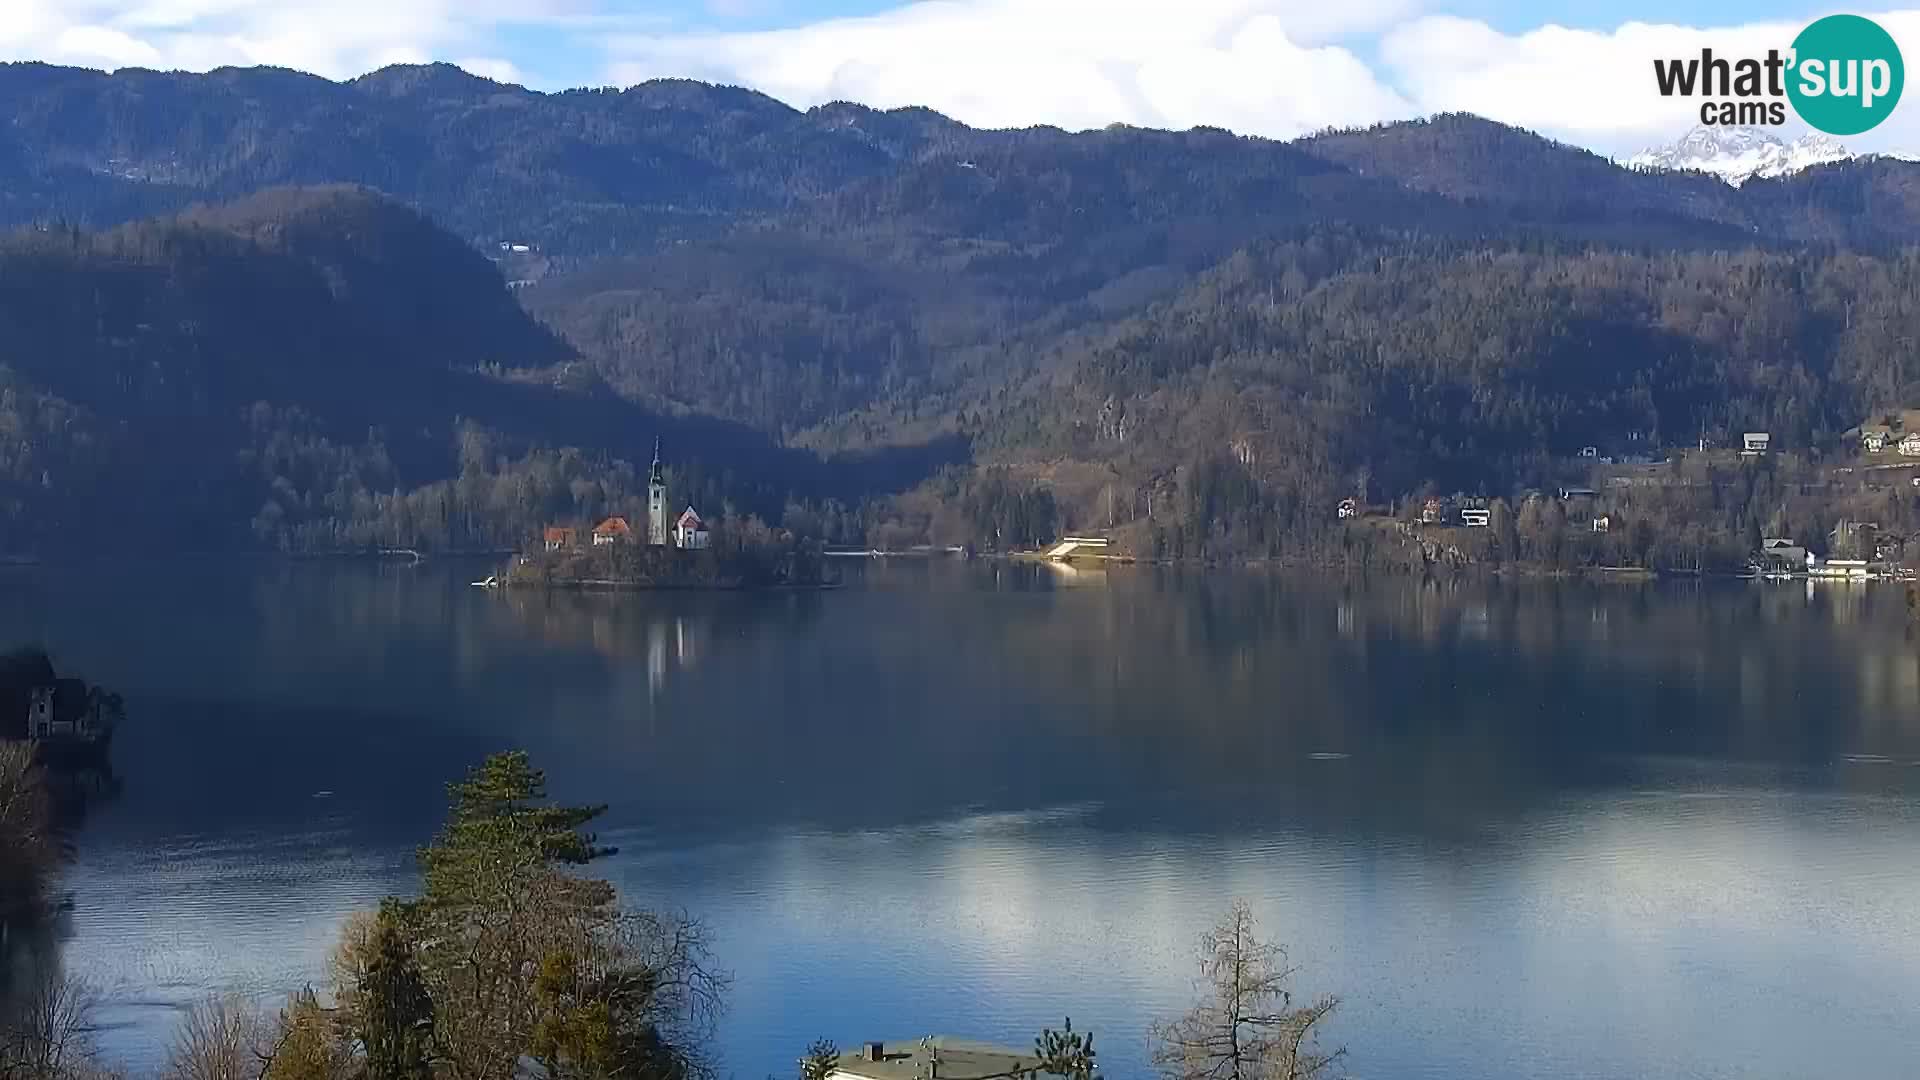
(657,532)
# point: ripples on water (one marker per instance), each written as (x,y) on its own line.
(1642,832)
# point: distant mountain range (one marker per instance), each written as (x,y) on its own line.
(590,173)
(1238,329)
(1738,154)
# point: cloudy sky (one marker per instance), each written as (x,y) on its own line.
(1578,71)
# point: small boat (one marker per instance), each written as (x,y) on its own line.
(491,581)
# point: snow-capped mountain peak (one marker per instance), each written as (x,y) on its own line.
(1737,154)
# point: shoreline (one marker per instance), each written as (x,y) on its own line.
(617,585)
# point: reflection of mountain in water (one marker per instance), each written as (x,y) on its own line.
(957,775)
(988,685)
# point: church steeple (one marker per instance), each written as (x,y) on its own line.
(657,529)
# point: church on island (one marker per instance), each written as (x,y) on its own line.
(686,532)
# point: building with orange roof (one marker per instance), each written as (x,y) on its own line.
(614,530)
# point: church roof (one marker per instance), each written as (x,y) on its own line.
(690,520)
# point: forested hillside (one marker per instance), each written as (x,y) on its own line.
(1203,339)
(312,369)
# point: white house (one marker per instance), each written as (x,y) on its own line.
(1910,445)
(1754,443)
(1846,569)
(40,723)
(1474,518)
(690,533)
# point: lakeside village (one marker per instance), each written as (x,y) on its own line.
(1847,513)
(676,552)
(1877,469)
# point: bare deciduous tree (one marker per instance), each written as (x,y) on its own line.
(48,1031)
(27,846)
(1246,1027)
(221,1038)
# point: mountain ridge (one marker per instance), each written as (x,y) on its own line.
(1738,154)
(590,173)
(1035,323)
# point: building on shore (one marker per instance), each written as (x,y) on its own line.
(37,704)
(1781,556)
(936,1057)
(1842,569)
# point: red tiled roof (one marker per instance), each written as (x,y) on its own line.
(613,526)
(689,519)
(559,533)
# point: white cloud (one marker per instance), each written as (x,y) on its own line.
(1265,67)
(113,47)
(335,38)
(493,67)
(1595,88)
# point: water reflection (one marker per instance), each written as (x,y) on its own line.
(1507,820)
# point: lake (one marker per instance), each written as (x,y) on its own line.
(1523,830)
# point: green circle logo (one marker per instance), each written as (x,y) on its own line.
(1847,74)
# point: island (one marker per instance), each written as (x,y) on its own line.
(779,563)
(686,552)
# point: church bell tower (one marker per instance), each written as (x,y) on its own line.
(657,533)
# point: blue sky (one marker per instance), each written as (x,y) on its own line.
(1277,68)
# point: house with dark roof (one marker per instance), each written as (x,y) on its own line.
(936,1057)
(35,703)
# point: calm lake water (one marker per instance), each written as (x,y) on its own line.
(1537,830)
